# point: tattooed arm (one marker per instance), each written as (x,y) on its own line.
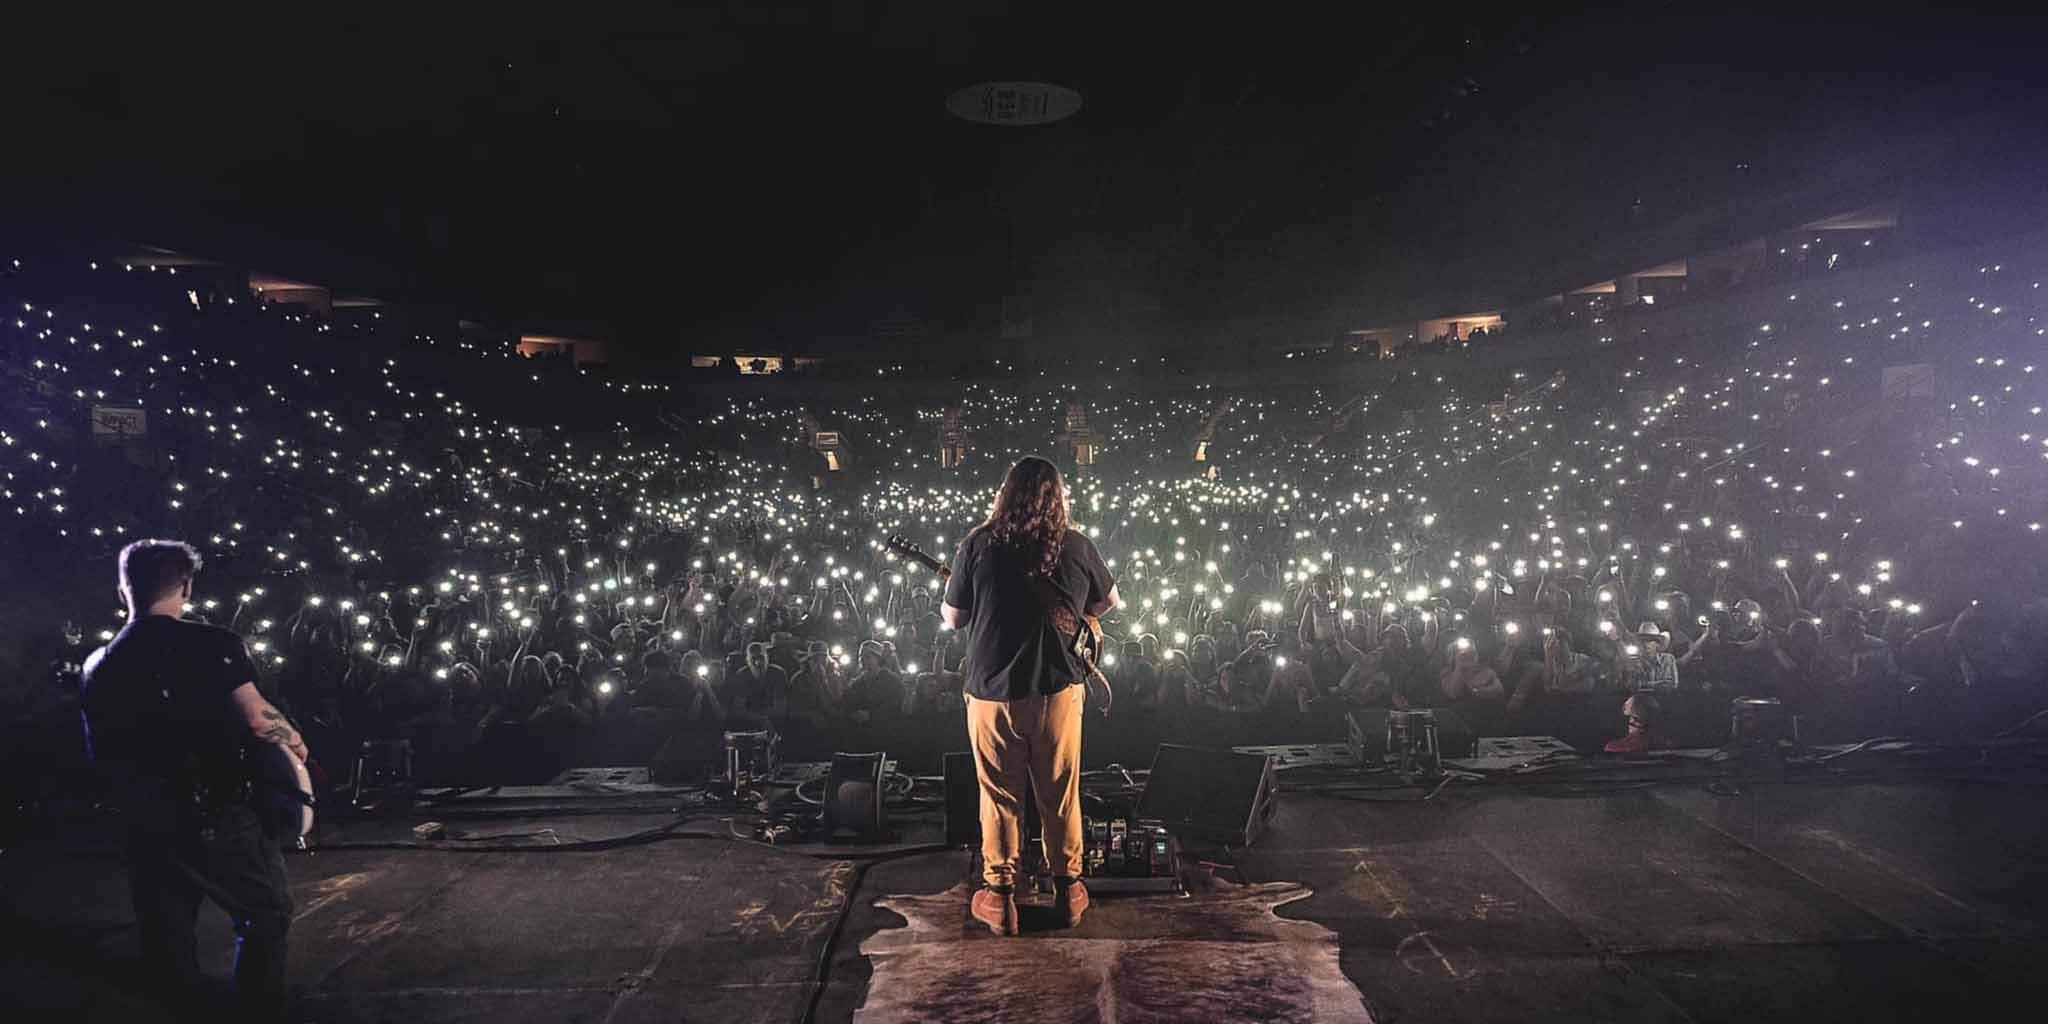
(267,723)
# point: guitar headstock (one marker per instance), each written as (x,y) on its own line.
(902,546)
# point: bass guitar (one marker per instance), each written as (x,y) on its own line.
(1086,645)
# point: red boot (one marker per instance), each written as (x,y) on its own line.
(1071,901)
(998,910)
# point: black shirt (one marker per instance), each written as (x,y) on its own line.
(157,701)
(1013,649)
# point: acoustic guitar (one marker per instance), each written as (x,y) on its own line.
(1086,645)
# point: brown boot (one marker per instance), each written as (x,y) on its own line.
(998,910)
(1071,901)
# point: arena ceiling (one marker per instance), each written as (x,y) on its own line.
(750,168)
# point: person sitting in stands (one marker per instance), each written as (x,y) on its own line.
(1641,711)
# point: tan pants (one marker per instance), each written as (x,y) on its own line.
(1037,739)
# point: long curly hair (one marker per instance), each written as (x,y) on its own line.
(1029,513)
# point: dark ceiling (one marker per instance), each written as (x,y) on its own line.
(753,167)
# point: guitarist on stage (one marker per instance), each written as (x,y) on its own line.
(168,706)
(1023,588)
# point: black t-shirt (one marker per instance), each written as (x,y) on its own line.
(1013,649)
(157,700)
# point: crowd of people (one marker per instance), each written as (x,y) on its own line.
(1839,509)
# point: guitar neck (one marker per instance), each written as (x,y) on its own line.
(927,561)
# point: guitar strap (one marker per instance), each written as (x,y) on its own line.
(1077,635)
(1064,621)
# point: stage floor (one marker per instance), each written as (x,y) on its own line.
(1897,900)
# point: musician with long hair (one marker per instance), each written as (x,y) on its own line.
(1021,585)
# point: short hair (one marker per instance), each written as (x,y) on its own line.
(151,569)
(655,661)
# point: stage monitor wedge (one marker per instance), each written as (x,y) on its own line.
(853,796)
(1202,793)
